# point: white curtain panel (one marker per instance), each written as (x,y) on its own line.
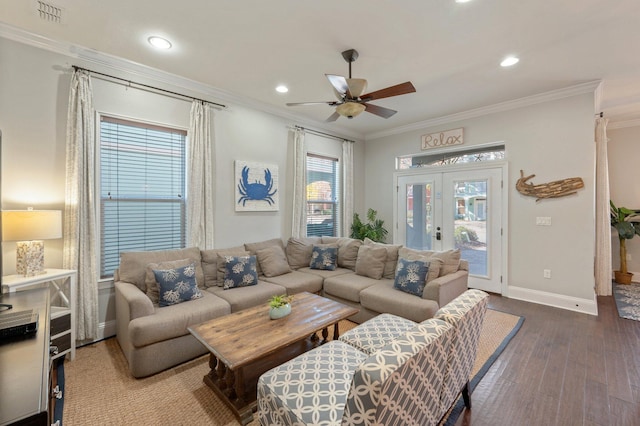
(80,215)
(603,225)
(200,177)
(299,223)
(347,187)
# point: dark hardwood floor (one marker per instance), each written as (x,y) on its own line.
(562,368)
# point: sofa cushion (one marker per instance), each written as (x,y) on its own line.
(392,257)
(371,261)
(133,264)
(273,261)
(411,276)
(347,250)
(435,264)
(213,269)
(326,273)
(299,251)
(177,285)
(240,271)
(247,297)
(172,321)
(297,282)
(311,389)
(450,260)
(382,297)
(377,332)
(150,278)
(253,248)
(348,286)
(324,257)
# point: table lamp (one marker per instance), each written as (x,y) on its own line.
(29,228)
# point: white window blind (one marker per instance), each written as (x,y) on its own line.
(142,189)
(323,196)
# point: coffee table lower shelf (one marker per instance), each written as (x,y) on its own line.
(238,389)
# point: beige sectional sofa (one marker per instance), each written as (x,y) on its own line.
(154,338)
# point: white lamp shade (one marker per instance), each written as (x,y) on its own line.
(28,225)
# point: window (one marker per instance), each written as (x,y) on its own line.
(142,189)
(323,212)
(491,153)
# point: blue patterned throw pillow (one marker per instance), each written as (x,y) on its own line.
(239,271)
(411,276)
(177,285)
(324,258)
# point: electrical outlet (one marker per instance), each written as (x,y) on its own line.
(546,273)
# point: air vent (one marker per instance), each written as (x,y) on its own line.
(49,12)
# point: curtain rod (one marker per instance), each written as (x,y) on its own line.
(146,86)
(319,133)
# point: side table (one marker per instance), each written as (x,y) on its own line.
(62,284)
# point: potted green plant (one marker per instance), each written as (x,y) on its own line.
(627,223)
(279,306)
(374,228)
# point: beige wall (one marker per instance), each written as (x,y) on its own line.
(553,140)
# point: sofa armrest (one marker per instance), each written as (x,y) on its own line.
(446,288)
(131,302)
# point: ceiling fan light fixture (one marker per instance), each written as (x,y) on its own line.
(357,86)
(350,109)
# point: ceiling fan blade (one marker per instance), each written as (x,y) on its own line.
(339,83)
(330,103)
(333,117)
(398,89)
(379,111)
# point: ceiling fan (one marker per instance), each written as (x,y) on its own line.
(351,100)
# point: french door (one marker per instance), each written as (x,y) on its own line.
(460,209)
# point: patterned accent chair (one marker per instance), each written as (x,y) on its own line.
(466,314)
(335,384)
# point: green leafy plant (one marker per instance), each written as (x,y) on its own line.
(279,301)
(627,223)
(374,228)
(462,235)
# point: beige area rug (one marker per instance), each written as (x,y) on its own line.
(100,391)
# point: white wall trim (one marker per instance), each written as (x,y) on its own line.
(578,89)
(106,329)
(570,303)
(117,66)
(623,124)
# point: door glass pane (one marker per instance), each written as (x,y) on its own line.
(470,223)
(420,207)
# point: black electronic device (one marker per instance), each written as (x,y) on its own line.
(18,323)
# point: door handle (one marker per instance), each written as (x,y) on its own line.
(438,234)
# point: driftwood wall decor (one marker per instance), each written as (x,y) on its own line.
(555,189)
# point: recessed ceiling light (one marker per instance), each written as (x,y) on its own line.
(282,89)
(509,61)
(159,42)
(463,1)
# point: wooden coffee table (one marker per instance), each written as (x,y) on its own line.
(247,343)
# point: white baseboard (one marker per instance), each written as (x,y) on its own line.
(570,303)
(106,329)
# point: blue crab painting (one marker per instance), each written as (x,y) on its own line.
(256,191)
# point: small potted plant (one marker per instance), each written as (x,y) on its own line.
(374,229)
(279,306)
(627,223)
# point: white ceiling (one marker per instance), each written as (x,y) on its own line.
(450,51)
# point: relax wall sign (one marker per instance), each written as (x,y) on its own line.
(442,139)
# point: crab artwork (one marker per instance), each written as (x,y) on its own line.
(256,191)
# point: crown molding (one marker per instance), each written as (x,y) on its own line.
(578,89)
(624,124)
(118,66)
